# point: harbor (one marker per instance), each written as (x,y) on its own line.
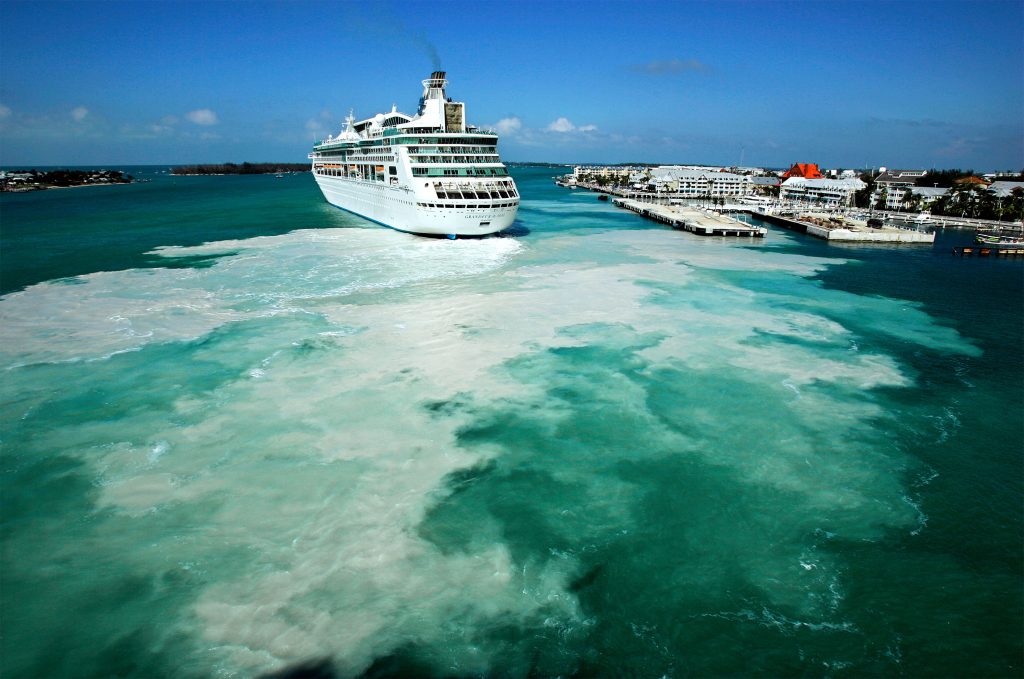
(693,220)
(837,229)
(843,207)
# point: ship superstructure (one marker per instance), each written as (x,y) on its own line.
(427,174)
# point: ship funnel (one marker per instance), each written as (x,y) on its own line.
(433,87)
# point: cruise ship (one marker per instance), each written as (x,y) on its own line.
(429,174)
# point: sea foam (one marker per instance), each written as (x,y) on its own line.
(301,408)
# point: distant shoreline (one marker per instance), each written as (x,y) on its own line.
(233,169)
(25,181)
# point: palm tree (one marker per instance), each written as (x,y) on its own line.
(908,200)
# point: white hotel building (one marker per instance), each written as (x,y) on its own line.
(622,173)
(821,192)
(697,183)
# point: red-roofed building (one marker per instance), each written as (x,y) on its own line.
(975,181)
(805,170)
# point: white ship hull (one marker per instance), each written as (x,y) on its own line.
(429,174)
(397,208)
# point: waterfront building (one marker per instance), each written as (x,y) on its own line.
(805,170)
(977,182)
(1003,189)
(696,183)
(827,193)
(621,174)
(928,194)
(1000,176)
(895,183)
(764,183)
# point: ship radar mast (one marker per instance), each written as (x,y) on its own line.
(349,133)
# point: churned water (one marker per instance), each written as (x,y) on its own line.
(243,431)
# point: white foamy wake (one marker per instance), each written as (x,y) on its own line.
(320,459)
(112,312)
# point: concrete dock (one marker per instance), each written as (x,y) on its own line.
(700,222)
(843,232)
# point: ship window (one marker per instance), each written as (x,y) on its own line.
(392,170)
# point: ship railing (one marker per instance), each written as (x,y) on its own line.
(465,160)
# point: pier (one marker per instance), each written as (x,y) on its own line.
(837,231)
(700,222)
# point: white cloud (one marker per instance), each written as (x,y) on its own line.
(79,113)
(561,125)
(561,132)
(203,116)
(169,120)
(4,112)
(564,126)
(509,125)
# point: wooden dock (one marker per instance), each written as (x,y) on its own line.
(699,222)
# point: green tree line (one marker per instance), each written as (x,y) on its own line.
(244,168)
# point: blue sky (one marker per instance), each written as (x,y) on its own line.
(905,84)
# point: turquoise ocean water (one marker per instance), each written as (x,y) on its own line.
(243,430)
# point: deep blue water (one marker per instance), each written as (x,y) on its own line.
(244,430)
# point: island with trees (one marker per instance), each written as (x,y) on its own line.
(243,168)
(36,180)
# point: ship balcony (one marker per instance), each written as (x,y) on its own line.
(473,160)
